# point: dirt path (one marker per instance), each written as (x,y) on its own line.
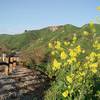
(23,84)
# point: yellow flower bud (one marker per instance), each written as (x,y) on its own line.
(65,93)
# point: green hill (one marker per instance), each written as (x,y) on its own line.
(35,41)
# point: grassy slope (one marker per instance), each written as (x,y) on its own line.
(39,38)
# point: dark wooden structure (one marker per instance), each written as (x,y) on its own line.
(11,63)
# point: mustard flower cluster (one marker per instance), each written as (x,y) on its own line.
(79,67)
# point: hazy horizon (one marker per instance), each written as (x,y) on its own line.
(12,33)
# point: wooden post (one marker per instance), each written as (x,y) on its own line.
(6,71)
(10,65)
(14,63)
(11,59)
(10,68)
(3,57)
(7,60)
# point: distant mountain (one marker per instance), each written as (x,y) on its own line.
(37,38)
(23,40)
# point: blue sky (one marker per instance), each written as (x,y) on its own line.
(19,15)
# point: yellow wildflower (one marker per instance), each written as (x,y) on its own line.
(69,79)
(78,63)
(65,93)
(98,46)
(71,45)
(63,55)
(94,70)
(93,54)
(72,53)
(94,65)
(96,42)
(56,65)
(58,44)
(69,61)
(91,24)
(50,45)
(66,43)
(74,38)
(86,33)
(69,87)
(83,51)
(86,65)
(98,8)
(53,53)
(78,49)
(73,59)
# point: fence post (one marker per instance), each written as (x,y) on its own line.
(6,71)
(10,65)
